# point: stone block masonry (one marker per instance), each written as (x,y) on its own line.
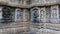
(29,16)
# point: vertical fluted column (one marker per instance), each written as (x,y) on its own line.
(35,15)
(18,15)
(1,12)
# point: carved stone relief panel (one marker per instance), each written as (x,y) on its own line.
(13,14)
(54,14)
(48,14)
(35,15)
(37,1)
(26,15)
(18,15)
(6,14)
(42,15)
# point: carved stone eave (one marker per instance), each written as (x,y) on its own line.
(13,4)
(45,4)
(8,3)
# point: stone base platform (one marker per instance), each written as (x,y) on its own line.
(14,28)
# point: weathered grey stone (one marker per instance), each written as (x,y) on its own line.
(52,26)
(47,26)
(23,3)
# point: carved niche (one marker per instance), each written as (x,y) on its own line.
(18,15)
(6,15)
(48,14)
(54,14)
(26,15)
(42,15)
(35,15)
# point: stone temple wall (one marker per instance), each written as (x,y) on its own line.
(25,17)
(13,20)
(45,20)
(37,20)
(48,14)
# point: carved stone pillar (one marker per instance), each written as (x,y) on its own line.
(1,13)
(55,14)
(48,14)
(42,15)
(25,15)
(15,15)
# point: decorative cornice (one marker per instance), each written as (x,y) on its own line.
(30,5)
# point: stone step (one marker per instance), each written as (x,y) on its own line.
(43,31)
(47,28)
(52,26)
(48,31)
(13,25)
(13,30)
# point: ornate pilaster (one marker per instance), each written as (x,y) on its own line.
(25,15)
(43,14)
(48,14)
(15,15)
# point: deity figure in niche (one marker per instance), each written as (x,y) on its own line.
(35,16)
(42,16)
(19,15)
(6,14)
(54,15)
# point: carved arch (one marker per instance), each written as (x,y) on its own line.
(42,15)
(35,17)
(18,15)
